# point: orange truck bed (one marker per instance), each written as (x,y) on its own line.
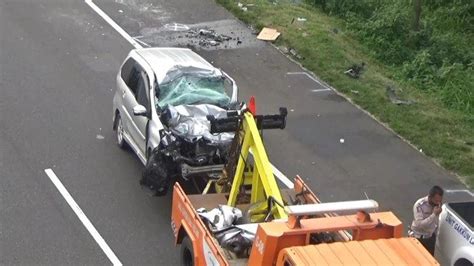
(375,242)
(394,251)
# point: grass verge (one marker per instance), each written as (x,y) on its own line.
(326,47)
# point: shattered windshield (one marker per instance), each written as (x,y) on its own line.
(189,85)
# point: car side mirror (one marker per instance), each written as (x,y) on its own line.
(140,110)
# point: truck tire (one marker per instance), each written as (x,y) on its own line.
(187,252)
(463,262)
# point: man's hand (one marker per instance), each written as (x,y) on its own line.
(437,210)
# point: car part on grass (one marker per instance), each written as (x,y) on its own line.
(395,99)
(355,71)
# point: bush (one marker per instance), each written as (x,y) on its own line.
(456,87)
(437,58)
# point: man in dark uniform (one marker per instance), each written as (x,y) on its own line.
(426,213)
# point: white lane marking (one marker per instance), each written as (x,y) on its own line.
(309,76)
(113,24)
(460,191)
(282,177)
(142,42)
(287,182)
(80,214)
(320,90)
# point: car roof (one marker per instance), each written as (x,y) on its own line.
(161,60)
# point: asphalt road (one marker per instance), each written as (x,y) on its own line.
(58,61)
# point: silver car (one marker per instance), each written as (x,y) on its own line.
(160,106)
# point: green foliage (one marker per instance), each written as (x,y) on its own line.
(437,58)
(455,85)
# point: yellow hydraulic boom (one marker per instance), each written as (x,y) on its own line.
(255,171)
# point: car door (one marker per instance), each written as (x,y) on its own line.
(140,122)
(131,75)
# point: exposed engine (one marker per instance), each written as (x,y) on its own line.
(187,148)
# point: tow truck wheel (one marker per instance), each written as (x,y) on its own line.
(187,253)
(119,132)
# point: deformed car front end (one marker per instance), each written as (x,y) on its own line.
(185,99)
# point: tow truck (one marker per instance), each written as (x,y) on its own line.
(244,218)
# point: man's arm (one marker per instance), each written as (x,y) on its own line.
(418,218)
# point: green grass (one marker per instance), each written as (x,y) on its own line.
(444,134)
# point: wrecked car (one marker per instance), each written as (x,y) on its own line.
(161,107)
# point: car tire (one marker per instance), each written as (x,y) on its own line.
(119,132)
(462,262)
(187,252)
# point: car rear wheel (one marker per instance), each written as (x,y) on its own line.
(187,253)
(119,132)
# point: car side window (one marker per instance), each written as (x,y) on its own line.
(141,90)
(130,74)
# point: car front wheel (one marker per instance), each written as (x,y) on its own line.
(119,132)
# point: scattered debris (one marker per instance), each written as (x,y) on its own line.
(301,19)
(208,43)
(98,136)
(355,71)
(305,34)
(253,30)
(212,34)
(341,140)
(355,92)
(209,37)
(284,49)
(244,7)
(295,54)
(120,11)
(292,110)
(268,34)
(392,95)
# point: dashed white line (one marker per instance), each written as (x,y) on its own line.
(320,90)
(80,214)
(278,174)
(113,24)
(142,42)
(460,191)
(310,77)
(282,177)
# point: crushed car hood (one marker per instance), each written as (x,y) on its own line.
(190,122)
